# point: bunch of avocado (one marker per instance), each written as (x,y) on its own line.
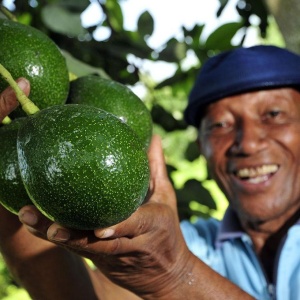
(81,157)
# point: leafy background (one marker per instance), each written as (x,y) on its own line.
(121,57)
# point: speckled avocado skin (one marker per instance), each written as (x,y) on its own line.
(27,52)
(82,166)
(13,195)
(115,98)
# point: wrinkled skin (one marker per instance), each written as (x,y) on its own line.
(254,155)
(264,135)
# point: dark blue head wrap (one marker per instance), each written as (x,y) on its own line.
(242,70)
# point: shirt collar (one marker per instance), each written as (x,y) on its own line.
(230,227)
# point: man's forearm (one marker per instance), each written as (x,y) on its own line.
(198,281)
(45,270)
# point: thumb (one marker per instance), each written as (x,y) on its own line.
(156,159)
(8,99)
(161,189)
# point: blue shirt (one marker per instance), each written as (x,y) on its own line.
(227,249)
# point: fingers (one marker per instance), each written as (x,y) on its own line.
(80,241)
(35,222)
(8,100)
(42,227)
(124,237)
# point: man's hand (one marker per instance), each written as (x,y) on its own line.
(8,100)
(145,253)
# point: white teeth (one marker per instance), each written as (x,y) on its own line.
(257,172)
(258,179)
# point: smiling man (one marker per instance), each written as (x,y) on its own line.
(246,104)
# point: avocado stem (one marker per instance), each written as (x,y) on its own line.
(6,120)
(27,105)
(7,13)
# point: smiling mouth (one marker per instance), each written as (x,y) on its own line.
(258,174)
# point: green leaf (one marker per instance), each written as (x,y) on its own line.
(25,18)
(173,52)
(60,20)
(193,192)
(145,24)
(192,151)
(221,38)
(114,15)
(78,6)
(80,68)
(165,119)
(194,35)
(223,4)
(258,8)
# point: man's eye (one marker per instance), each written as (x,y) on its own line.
(218,128)
(218,125)
(274,113)
(276,116)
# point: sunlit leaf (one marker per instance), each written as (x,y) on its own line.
(114,15)
(25,18)
(79,68)
(60,20)
(221,38)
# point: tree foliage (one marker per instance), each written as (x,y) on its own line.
(286,14)
(122,54)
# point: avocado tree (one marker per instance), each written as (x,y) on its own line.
(286,14)
(121,56)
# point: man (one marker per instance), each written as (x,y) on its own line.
(250,139)
(246,105)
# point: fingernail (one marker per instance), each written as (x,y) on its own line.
(23,83)
(28,218)
(106,233)
(60,235)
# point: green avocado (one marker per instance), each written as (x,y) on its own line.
(13,195)
(115,98)
(27,52)
(81,166)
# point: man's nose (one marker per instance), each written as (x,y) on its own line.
(250,137)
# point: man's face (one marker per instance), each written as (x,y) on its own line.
(252,145)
